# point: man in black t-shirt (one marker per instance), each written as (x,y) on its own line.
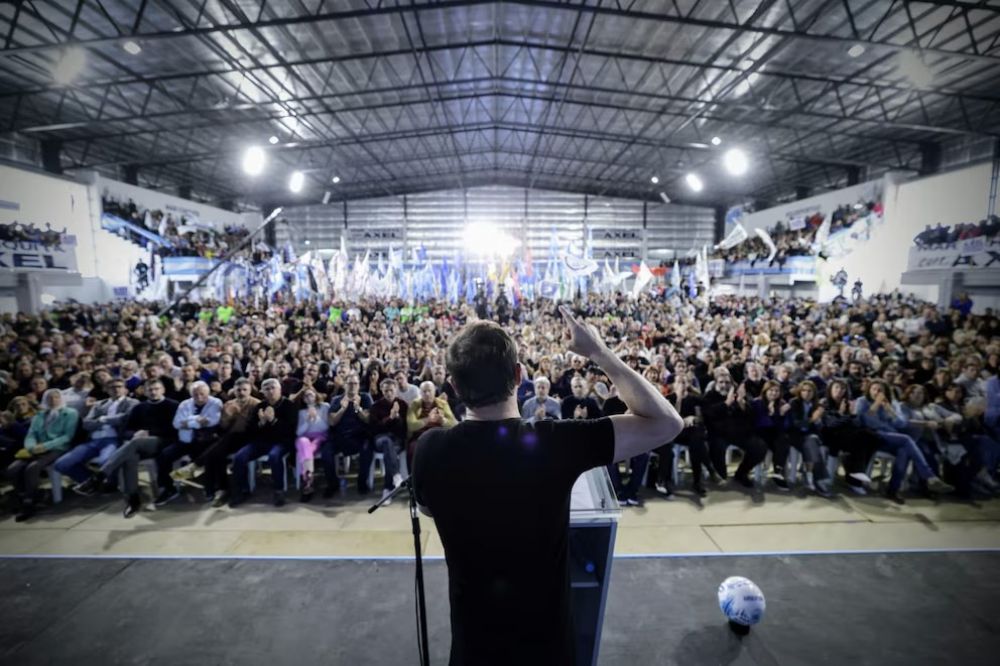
(507,550)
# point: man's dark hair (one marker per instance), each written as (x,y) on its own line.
(481,361)
(150,382)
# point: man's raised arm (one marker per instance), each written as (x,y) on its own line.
(652,421)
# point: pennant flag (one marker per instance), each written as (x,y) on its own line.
(642,279)
(675,276)
(766,237)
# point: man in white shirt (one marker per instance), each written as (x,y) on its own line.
(197,425)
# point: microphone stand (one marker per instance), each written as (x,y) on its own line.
(422,644)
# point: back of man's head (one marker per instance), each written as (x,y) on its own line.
(482,361)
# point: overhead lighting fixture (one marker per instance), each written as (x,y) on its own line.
(655,180)
(273,140)
(856,51)
(253,161)
(694,182)
(296,182)
(69,66)
(335,180)
(132,47)
(326,197)
(308,241)
(736,161)
(666,199)
(716,141)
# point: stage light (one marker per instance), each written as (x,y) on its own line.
(736,161)
(253,161)
(694,182)
(335,180)
(132,48)
(69,66)
(308,241)
(655,180)
(716,141)
(856,51)
(296,182)
(273,140)
(485,239)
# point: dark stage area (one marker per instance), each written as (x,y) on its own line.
(886,609)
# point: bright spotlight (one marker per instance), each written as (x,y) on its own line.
(335,180)
(716,141)
(655,180)
(736,161)
(132,48)
(69,66)
(253,161)
(694,182)
(296,182)
(856,51)
(485,239)
(273,140)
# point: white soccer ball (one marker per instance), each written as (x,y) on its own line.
(741,601)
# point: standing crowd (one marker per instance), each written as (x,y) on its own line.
(92,394)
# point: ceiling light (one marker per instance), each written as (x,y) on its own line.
(694,182)
(308,241)
(655,180)
(735,161)
(132,48)
(273,140)
(70,64)
(856,51)
(296,182)
(716,141)
(253,161)
(335,180)
(666,199)
(326,197)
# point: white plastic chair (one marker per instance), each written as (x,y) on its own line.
(252,472)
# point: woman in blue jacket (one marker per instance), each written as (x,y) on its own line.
(49,436)
(876,412)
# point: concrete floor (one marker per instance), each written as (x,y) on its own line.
(886,609)
(728,521)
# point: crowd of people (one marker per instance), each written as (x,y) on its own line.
(798,241)
(942,236)
(184,238)
(19,232)
(208,389)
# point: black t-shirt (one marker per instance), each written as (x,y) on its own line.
(499,492)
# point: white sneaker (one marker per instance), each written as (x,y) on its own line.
(862,477)
(397,480)
(385,493)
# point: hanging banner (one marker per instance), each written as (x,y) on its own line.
(971,254)
(34,255)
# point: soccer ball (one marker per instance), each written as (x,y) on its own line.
(741,601)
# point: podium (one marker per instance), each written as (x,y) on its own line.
(593,525)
